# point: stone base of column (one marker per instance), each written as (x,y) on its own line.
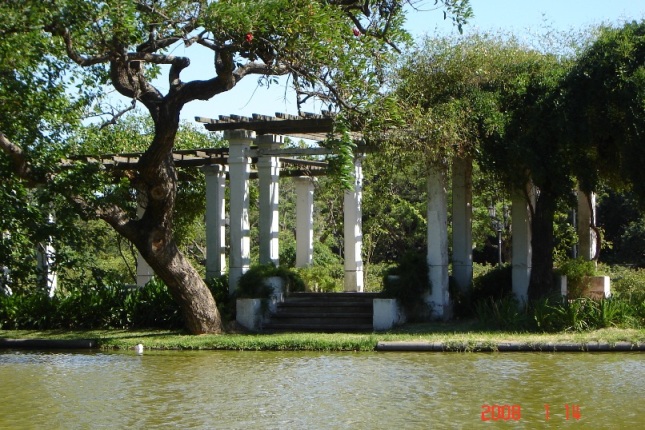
(439,298)
(354,281)
(521,276)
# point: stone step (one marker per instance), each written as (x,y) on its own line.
(290,307)
(323,312)
(321,328)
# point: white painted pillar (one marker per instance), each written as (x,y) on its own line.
(45,256)
(269,179)
(239,165)
(304,221)
(215,220)
(353,225)
(5,273)
(144,271)
(462,210)
(521,243)
(439,297)
(587,240)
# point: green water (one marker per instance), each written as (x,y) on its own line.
(271,390)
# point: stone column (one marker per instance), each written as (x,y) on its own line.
(439,298)
(462,210)
(5,273)
(353,225)
(215,220)
(144,271)
(521,243)
(304,221)
(45,256)
(239,171)
(268,177)
(587,239)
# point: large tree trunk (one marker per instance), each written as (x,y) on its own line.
(542,242)
(156,184)
(184,283)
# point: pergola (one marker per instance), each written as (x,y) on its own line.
(256,150)
(258,142)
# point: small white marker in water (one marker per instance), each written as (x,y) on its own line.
(139,348)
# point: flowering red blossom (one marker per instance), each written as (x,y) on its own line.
(249,37)
(357,32)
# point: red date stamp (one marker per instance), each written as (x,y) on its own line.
(501,412)
(497,412)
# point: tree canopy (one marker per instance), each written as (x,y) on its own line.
(75,51)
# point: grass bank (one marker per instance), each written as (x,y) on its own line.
(463,336)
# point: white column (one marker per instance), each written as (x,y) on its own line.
(144,271)
(462,239)
(304,221)
(215,220)
(353,225)
(587,240)
(269,177)
(521,243)
(239,171)
(439,298)
(45,257)
(5,273)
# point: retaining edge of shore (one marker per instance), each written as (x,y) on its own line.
(412,346)
(47,343)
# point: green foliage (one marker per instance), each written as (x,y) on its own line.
(341,163)
(604,101)
(218,286)
(408,282)
(587,314)
(626,281)
(155,307)
(491,291)
(320,279)
(85,306)
(252,283)
(494,284)
(500,314)
(576,271)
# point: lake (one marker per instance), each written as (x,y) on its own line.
(318,390)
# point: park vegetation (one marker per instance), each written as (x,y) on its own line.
(524,116)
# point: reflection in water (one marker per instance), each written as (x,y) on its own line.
(289,390)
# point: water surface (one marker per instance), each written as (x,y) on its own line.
(307,390)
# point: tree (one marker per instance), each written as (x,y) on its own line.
(604,96)
(333,50)
(495,100)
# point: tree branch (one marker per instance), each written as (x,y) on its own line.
(116,116)
(128,79)
(19,160)
(113,215)
(73,54)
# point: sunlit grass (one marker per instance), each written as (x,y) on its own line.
(461,336)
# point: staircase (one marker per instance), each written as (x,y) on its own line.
(323,312)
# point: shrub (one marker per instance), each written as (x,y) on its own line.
(557,314)
(320,278)
(495,284)
(576,270)
(408,282)
(218,285)
(502,313)
(82,306)
(155,307)
(252,282)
